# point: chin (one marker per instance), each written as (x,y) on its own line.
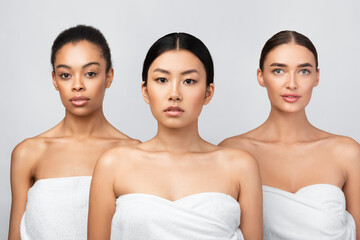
(80,112)
(292,109)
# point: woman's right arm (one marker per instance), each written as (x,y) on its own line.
(22,162)
(102,198)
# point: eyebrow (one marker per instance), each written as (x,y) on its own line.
(189,71)
(183,73)
(278,65)
(161,70)
(284,65)
(85,66)
(305,65)
(90,63)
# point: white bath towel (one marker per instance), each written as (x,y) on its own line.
(201,216)
(315,212)
(57,209)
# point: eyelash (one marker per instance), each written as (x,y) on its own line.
(64,76)
(302,71)
(276,71)
(186,81)
(91,73)
(67,75)
(161,80)
(305,71)
(192,81)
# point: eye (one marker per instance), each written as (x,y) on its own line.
(65,75)
(278,71)
(304,71)
(189,81)
(91,74)
(161,80)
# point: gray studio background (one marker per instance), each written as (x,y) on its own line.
(233,30)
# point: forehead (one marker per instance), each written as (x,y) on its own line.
(290,54)
(79,51)
(177,60)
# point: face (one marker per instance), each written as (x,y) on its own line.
(289,75)
(80,77)
(176,88)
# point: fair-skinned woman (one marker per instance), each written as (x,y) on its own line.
(51,173)
(176,185)
(306,172)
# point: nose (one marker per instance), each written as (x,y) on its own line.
(175,94)
(78,84)
(292,81)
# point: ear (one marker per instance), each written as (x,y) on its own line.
(109,77)
(145,93)
(54,81)
(260,77)
(317,77)
(209,93)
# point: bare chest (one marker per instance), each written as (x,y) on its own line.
(295,166)
(68,159)
(176,178)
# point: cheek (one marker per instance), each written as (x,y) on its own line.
(196,98)
(100,89)
(157,99)
(96,88)
(272,88)
(308,91)
(156,95)
(63,90)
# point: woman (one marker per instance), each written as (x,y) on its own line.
(176,185)
(51,173)
(305,172)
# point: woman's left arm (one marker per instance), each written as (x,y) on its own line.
(250,198)
(351,158)
(102,199)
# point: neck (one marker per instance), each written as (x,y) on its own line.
(84,126)
(178,140)
(288,127)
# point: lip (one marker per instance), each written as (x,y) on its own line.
(79,101)
(290,98)
(174,111)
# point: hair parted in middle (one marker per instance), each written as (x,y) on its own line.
(284,37)
(180,41)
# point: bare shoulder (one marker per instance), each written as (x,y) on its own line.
(28,151)
(346,148)
(119,139)
(243,141)
(338,144)
(122,138)
(238,159)
(128,142)
(117,157)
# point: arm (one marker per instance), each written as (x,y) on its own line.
(250,200)
(102,198)
(21,180)
(352,184)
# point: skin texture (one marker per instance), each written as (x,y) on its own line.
(72,147)
(177,162)
(290,151)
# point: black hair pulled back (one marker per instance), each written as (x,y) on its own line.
(81,33)
(180,41)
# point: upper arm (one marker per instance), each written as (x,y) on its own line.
(22,163)
(250,198)
(352,184)
(102,197)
